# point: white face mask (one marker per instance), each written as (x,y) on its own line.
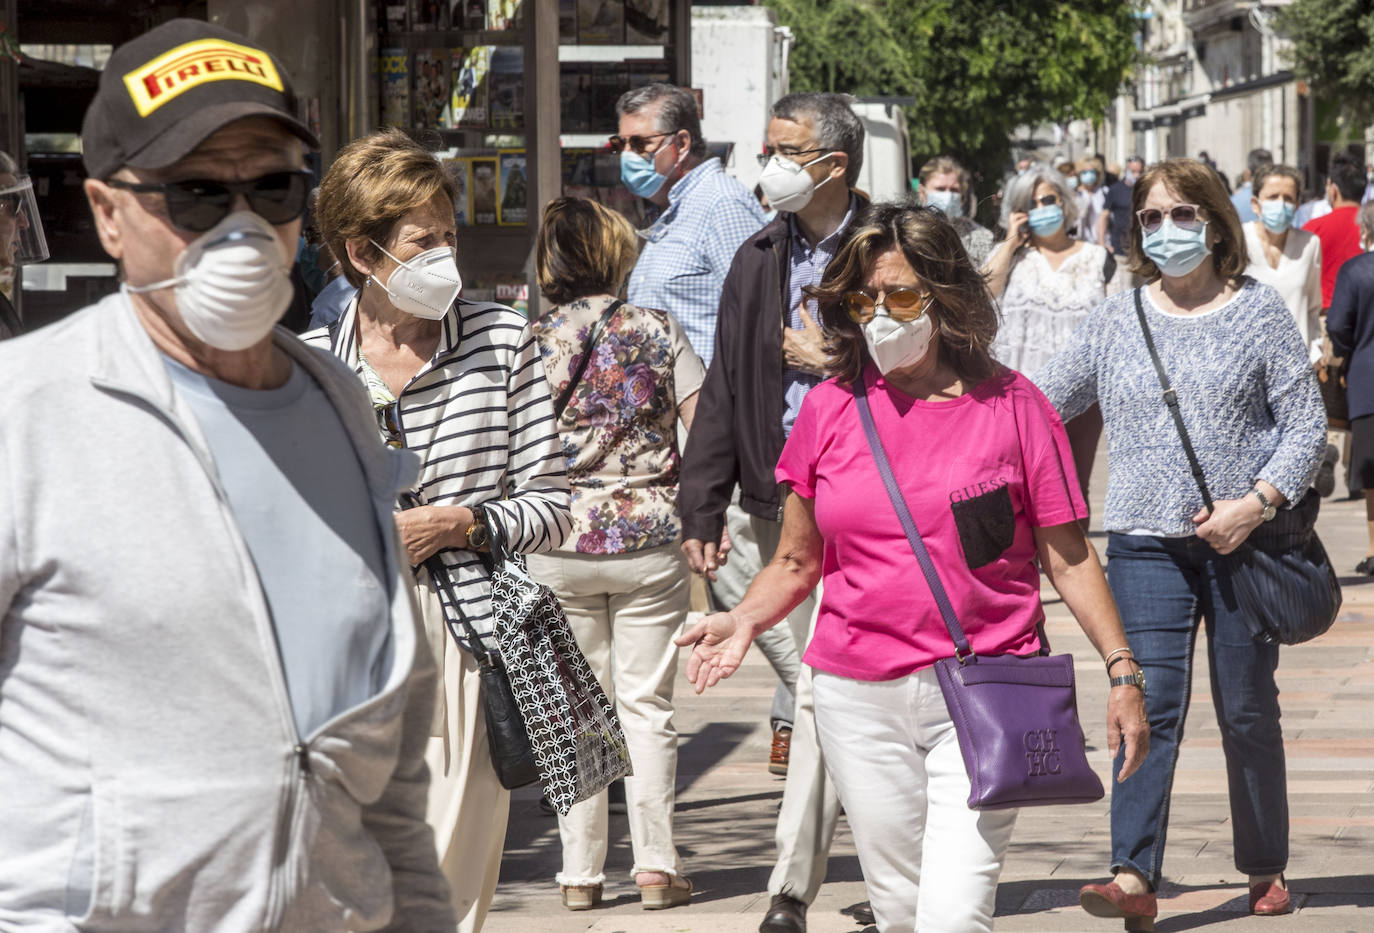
(787,185)
(425,285)
(898,344)
(231,282)
(948,203)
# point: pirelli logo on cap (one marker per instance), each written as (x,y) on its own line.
(196,63)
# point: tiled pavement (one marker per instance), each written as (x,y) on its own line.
(727,803)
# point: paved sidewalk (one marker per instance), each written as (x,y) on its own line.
(727,803)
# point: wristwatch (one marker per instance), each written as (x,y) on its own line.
(477,535)
(1129,680)
(1269,510)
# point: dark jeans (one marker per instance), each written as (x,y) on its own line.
(1163,587)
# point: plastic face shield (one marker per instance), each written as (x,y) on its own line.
(21,229)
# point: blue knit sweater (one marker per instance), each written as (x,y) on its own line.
(1245,387)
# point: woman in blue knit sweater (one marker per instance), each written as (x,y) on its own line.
(1250,402)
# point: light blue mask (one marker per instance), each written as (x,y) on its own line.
(1046,220)
(639,175)
(1176,251)
(1277,216)
(946,202)
(1088,176)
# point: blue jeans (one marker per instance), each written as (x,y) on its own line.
(1163,587)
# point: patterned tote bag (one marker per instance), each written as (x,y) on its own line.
(579,745)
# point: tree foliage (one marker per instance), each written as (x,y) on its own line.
(1331,48)
(976,68)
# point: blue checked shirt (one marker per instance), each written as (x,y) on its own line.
(688,250)
(807,268)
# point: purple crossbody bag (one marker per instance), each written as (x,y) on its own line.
(1016,717)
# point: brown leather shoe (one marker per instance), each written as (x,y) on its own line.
(1108,900)
(785,915)
(781,750)
(1267,899)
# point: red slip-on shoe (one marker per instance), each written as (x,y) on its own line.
(1267,899)
(1108,900)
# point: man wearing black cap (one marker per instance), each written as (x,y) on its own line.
(214,697)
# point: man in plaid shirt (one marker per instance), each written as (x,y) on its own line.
(704,214)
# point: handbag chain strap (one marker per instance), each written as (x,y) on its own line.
(1171,401)
(438,572)
(962,651)
(576,376)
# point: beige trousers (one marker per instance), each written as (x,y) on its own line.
(468,807)
(625,610)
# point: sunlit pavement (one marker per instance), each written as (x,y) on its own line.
(727,803)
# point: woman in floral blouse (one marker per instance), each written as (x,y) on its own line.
(620,576)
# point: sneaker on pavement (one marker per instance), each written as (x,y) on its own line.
(780,751)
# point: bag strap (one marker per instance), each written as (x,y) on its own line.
(576,377)
(962,650)
(1171,400)
(438,572)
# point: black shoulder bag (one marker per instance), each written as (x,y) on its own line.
(576,377)
(1280,576)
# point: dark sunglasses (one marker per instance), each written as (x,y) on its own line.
(636,144)
(389,422)
(768,153)
(902,304)
(197,205)
(1183,215)
(1047,200)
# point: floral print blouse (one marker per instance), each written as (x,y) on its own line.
(619,431)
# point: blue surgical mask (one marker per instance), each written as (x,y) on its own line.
(639,175)
(1046,220)
(1277,216)
(1176,251)
(1072,182)
(1088,176)
(946,202)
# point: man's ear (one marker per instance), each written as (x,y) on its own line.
(839,164)
(103,201)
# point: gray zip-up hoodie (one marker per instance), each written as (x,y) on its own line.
(151,777)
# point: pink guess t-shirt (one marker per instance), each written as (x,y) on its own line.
(978,472)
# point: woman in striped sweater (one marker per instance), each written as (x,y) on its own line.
(461,384)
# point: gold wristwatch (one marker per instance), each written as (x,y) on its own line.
(477,535)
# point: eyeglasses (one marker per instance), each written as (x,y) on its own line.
(1047,200)
(197,205)
(768,152)
(389,421)
(1183,215)
(636,144)
(901,304)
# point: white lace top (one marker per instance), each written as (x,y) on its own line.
(1042,306)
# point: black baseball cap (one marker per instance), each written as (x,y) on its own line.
(164,93)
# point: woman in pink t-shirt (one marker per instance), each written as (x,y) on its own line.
(984,465)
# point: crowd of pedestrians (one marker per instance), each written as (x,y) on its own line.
(249,695)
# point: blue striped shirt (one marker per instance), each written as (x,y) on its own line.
(688,250)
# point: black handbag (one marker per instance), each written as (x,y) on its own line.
(1280,577)
(507,739)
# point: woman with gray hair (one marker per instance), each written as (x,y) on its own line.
(1046,283)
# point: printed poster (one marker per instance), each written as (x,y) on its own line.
(430,93)
(468,15)
(512,211)
(503,15)
(482,190)
(468,100)
(425,15)
(646,22)
(601,22)
(458,170)
(394,74)
(506,97)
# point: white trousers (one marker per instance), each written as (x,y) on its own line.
(468,807)
(892,751)
(625,610)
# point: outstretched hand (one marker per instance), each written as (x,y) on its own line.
(718,646)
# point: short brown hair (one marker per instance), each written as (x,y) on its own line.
(583,249)
(1194,183)
(939,166)
(373,183)
(1266,172)
(964,313)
